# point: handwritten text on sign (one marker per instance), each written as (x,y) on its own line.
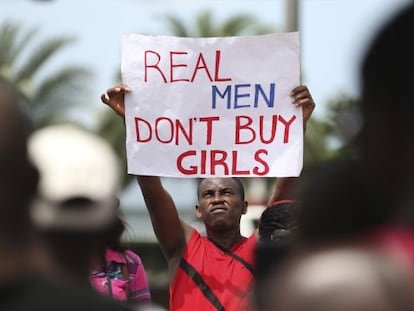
(204,107)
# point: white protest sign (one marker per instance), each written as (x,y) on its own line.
(202,107)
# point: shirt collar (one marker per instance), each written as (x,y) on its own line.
(112,255)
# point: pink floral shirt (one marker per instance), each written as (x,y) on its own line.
(133,290)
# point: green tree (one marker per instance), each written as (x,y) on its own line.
(335,134)
(23,61)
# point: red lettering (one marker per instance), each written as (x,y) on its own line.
(155,66)
(234,170)
(287,127)
(188,135)
(139,130)
(193,169)
(217,69)
(170,124)
(152,60)
(217,158)
(272,131)
(210,161)
(257,157)
(203,161)
(209,121)
(172,66)
(245,126)
(166,130)
(201,64)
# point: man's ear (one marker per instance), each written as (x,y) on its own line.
(244,208)
(197,211)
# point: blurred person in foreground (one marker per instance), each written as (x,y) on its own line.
(21,287)
(277,229)
(214,271)
(338,279)
(365,204)
(74,206)
(332,264)
(387,146)
(370,199)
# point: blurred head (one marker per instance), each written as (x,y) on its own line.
(75,204)
(388,124)
(221,203)
(18,179)
(79,175)
(335,203)
(279,221)
(339,279)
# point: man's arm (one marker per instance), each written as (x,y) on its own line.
(170,231)
(285,187)
(278,220)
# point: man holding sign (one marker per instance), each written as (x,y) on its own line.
(225,280)
(213,272)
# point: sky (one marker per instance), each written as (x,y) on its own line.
(333,35)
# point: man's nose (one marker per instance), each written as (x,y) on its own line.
(217,197)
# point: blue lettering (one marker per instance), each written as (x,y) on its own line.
(237,95)
(243,91)
(227,93)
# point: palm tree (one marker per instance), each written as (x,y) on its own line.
(49,96)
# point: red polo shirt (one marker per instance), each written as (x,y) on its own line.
(226,277)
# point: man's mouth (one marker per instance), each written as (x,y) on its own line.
(218,209)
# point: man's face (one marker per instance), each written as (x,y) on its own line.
(220,204)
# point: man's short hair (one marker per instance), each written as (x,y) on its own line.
(238,182)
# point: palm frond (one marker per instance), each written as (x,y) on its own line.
(13,41)
(204,24)
(237,25)
(22,42)
(263,29)
(8,33)
(40,57)
(60,92)
(112,129)
(177,27)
